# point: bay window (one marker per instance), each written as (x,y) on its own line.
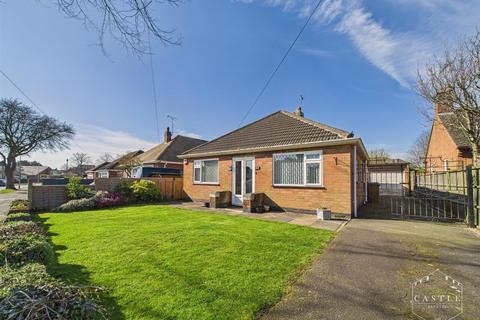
(205,171)
(298,169)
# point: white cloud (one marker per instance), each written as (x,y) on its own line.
(188,134)
(315,52)
(95,141)
(398,53)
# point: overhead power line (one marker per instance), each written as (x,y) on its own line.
(21,91)
(31,100)
(280,63)
(152,73)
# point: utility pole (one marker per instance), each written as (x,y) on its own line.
(19,171)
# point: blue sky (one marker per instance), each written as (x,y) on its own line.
(355,65)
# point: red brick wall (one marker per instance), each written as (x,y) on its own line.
(442,147)
(335,195)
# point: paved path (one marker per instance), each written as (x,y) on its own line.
(7,198)
(309,220)
(366,272)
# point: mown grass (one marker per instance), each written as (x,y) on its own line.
(3,191)
(160,262)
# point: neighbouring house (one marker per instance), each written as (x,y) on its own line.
(33,173)
(390,174)
(115,168)
(163,159)
(448,146)
(282,161)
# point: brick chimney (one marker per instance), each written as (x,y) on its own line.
(299,112)
(442,108)
(167,136)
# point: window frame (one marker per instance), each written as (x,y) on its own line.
(305,161)
(103,174)
(195,167)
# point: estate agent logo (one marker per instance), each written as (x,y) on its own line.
(437,296)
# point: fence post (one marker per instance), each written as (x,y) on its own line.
(470,204)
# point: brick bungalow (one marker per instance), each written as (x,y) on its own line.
(284,161)
(448,147)
(112,169)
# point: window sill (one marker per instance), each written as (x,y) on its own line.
(206,183)
(299,187)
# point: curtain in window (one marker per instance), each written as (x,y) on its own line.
(313,173)
(210,171)
(288,169)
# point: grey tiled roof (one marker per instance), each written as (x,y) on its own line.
(278,129)
(449,120)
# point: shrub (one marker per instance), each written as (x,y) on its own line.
(110,200)
(144,191)
(19,204)
(30,293)
(76,205)
(21,216)
(31,274)
(82,204)
(25,248)
(75,190)
(18,228)
(123,190)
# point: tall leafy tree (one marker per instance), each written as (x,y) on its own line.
(23,131)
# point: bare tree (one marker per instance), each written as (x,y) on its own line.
(106,157)
(128,162)
(416,154)
(80,160)
(129,21)
(379,154)
(453,81)
(23,130)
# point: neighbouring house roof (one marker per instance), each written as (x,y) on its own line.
(99,167)
(449,120)
(281,129)
(34,170)
(116,164)
(169,151)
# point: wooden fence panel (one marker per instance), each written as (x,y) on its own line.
(171,188)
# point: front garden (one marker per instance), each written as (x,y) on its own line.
(145,261)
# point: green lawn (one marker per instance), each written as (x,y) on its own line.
(159,262)
(6,191)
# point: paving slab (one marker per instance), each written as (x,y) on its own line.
(297,218)
(7,198)
(367,271)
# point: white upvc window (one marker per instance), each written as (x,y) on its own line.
(298,169)
(205,171)
(103,174)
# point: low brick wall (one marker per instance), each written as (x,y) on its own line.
(253,202)
(220,199)
(44,198)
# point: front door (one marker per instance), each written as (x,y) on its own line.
(243,177)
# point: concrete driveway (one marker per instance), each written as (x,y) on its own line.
(7,198)
(367,271)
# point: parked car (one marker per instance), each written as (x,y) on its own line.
(3,182)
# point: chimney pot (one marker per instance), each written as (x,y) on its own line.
(299,111)
(167,137)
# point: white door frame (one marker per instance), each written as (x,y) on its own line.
(237,199)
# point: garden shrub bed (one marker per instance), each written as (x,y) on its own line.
(27,290)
